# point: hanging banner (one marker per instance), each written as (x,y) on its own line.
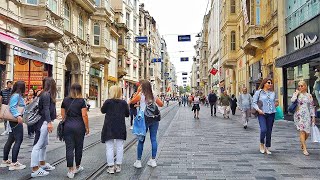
(245,12)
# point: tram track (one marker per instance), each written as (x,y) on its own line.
(92,145)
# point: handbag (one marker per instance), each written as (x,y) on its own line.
(5,113)
(31,113)
(139,126)
(60,127)
(293,106)
(254,112)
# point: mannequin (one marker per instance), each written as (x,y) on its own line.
(316,86)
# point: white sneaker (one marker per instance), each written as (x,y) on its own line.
(6,163)
(48,167)
(137,164)
(39,173)
(77,170)
(152,163)
(118,168)
(110,170)
(16,166)
(131,127)
(70,174)
(4,133)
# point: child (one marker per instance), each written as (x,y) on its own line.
(279,112)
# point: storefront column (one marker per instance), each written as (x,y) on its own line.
(10,63)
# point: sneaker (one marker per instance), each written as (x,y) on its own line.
(39,173)
(131,127)
(110,170)
(48,167)
(4,133)
(137,164)
(6,163)
(70,174)
(152,163)
(118,168)
(16,166)
(79,169)
(245,126)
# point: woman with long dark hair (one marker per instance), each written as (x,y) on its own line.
(146,96)
(15,128)
(264,104)
(47,110)
(74,113)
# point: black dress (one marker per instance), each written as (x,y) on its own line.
(114,126)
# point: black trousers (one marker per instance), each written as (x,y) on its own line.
(213,106)
(74,138)
(16,137)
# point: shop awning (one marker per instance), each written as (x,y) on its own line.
(10,40)
(300,56)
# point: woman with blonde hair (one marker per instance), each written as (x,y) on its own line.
(304,114)
(76,125)
(114,127)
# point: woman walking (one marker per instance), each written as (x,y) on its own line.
(233,104)
(305,113)
(15,128)
(76,125)
(47,110)
(114,127)
(146,96)
(133,112)
(266,113)
(196,106)
(28,100)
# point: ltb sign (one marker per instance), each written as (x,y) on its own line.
(302,40)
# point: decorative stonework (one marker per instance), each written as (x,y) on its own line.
(56,22)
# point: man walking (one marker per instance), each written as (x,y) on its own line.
(225,103)
(245,102)
(213,102)
(4,98)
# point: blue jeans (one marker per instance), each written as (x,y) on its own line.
(153,127)
(266,123)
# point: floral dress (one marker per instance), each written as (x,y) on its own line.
(304,111)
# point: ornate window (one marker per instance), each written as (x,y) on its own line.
(81,27)
(53,4)
(96,34)
(66,17)
(233,6)
(233,40)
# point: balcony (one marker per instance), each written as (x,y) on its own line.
(100,55)
(41,23)
(122,72)
(229,60)
(253,39)
(122,49)
(271,26)
(87,5)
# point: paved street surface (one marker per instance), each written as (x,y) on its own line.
(208,148)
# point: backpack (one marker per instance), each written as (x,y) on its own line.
(152,113)
(31,113)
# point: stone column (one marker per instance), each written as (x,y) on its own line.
(10,63)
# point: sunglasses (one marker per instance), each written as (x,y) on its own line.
(300,85)
(269,82)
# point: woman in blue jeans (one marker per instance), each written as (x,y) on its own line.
(15,128)
(146,96)
(265,97)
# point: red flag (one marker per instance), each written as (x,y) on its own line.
(213,71)
(168,89)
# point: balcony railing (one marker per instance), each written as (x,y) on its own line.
(253,31)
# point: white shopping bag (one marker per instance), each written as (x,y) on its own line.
(315,134)
(221,109)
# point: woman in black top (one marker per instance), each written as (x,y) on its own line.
(114,127)
(74,113)
(133,112)
(233,104)
(47,110)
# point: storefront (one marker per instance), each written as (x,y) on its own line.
(95,87)
(302,61)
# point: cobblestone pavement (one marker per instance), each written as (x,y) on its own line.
(217,148)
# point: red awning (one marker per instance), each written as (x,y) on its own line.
(10,40)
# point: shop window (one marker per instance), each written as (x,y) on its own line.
(53,4)
(34,2)
(80,28)
(300,70)
(233,6)
(233,41)
(96,34)
(66,17)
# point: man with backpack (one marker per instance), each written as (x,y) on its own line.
(213,102)
(4,98)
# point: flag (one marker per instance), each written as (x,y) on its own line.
(168,89)
(213,71)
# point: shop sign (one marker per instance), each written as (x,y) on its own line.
(302,40)
(45,56)
(95,72)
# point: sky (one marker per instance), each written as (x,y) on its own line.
(178,17)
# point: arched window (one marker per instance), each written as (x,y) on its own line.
(96,34)
(233,40)
(233,6)
(66,17)
(80,27)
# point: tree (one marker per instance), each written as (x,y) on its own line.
(188,89)
(181,90)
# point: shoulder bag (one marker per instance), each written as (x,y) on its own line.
(254,112)
(5,113)
(293,107)
(60,127)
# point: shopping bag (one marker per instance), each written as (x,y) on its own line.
(139,126)
(221,109)
(315,134)
(279,114)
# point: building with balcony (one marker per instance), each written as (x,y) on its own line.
(203,65)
